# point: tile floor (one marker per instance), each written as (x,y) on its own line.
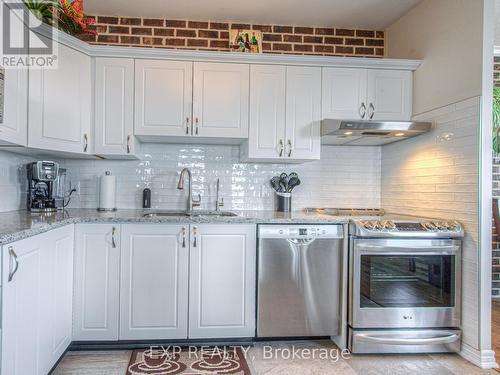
(115,363)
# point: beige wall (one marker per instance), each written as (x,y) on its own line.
(447,35)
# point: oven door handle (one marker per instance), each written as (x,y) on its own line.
(428,250)
(402,341)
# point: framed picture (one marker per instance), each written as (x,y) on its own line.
(249,41)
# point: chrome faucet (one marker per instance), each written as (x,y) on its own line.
(190,201)
(217,203)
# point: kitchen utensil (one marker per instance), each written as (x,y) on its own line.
(293,174)
(283,187)
(275,183)
(284,178)
(292,183)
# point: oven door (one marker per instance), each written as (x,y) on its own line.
(404,283)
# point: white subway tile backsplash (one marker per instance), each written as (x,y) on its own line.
(436,175)
(344,177)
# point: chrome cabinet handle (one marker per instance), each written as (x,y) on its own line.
(363,107)
(187,125)
(113,242)
(281,148)
(289,145)
(196,121)
(128,144)
(372,107)
(12,255)
(86,144)
(183,237)
(195,229)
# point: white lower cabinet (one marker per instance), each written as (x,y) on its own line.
(222,281)
(97,282)
(154,281)
(37,279)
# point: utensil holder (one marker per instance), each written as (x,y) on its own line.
(283,202)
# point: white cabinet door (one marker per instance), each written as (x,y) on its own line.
(59,104)
(344,93)
(60,243)
(389,95)
(303,113)
(114,107)
(222,281)
(154,282)
(220,100)
(97,282)
(21,302)
(14,128)
(163,97)
(267,112)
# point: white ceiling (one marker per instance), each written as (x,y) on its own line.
(369,14)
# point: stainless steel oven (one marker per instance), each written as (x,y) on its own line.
(400,283)
(405,288)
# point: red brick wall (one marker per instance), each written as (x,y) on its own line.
(214,36)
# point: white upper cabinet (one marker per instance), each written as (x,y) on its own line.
(60,104)
(163,97)
(267,112)
(220,100)
(154,282)
(303,113)
(114,107)
(14,128)
(344,93)
(285,114)
(367,94)
(389,95)
(222,281)
(97,282)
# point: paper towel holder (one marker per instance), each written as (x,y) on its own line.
(107,173)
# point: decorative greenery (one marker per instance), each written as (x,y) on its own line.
(66,15)
(496,120)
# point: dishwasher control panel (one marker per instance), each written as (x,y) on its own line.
(301,231)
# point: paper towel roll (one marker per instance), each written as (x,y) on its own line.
(107,192)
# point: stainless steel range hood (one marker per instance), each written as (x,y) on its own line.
(369,133)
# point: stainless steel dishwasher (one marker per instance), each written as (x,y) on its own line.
(299,278)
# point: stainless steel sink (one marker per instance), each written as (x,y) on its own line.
(193,214)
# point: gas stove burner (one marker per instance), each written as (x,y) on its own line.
(346,211)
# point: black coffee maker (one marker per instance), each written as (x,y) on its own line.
(42,176)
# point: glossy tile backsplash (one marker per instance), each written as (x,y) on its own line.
(344,177)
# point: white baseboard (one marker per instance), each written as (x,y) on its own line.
(481,358)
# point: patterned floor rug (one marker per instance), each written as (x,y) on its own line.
(192,361)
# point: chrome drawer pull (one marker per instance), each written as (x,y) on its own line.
(12,255)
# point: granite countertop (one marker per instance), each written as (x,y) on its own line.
(17,225)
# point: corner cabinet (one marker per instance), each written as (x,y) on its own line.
(96,302)
(222,281)
(14,128)
(37,281)
(114,108)
(154,282)
(59,115)
(285,114)
(367,94)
